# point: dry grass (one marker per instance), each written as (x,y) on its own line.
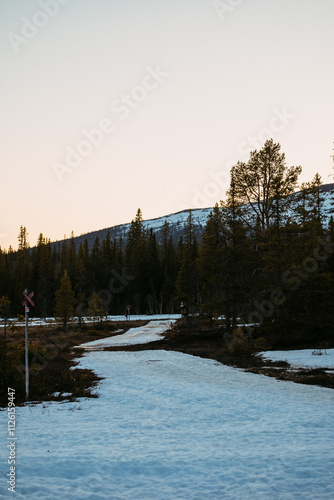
(51,361)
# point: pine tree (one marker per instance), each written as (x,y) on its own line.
(265,183)
(64,301)
(23,239)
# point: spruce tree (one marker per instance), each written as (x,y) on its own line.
(94,307)
(96,278)
(72,267)
(211,263)
(316,199)
(237,258)
(23,267)
(154,275)
(169,271)
(188,276)
(137,288)
(44,276)
(4,271)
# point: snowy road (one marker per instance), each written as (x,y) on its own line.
(172,426)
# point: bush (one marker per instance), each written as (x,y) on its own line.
(244,345)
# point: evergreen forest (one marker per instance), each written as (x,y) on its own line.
(266,257)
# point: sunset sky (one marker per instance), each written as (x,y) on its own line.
(108,106)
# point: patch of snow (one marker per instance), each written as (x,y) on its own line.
(116,318)
(64,394)
(144,317)
(302,358)
(151,332)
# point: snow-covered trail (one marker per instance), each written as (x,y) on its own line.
(172,426)
(149,333)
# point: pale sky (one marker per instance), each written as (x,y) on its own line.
(180,89)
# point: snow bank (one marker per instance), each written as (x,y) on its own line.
(303,358)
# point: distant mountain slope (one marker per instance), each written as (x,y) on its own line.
(178,220)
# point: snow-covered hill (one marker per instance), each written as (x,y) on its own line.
(178,220)
(176,223)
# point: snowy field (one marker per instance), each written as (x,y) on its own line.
(171,426)
(133,317)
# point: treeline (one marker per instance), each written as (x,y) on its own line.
(265,257)
(141,273)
